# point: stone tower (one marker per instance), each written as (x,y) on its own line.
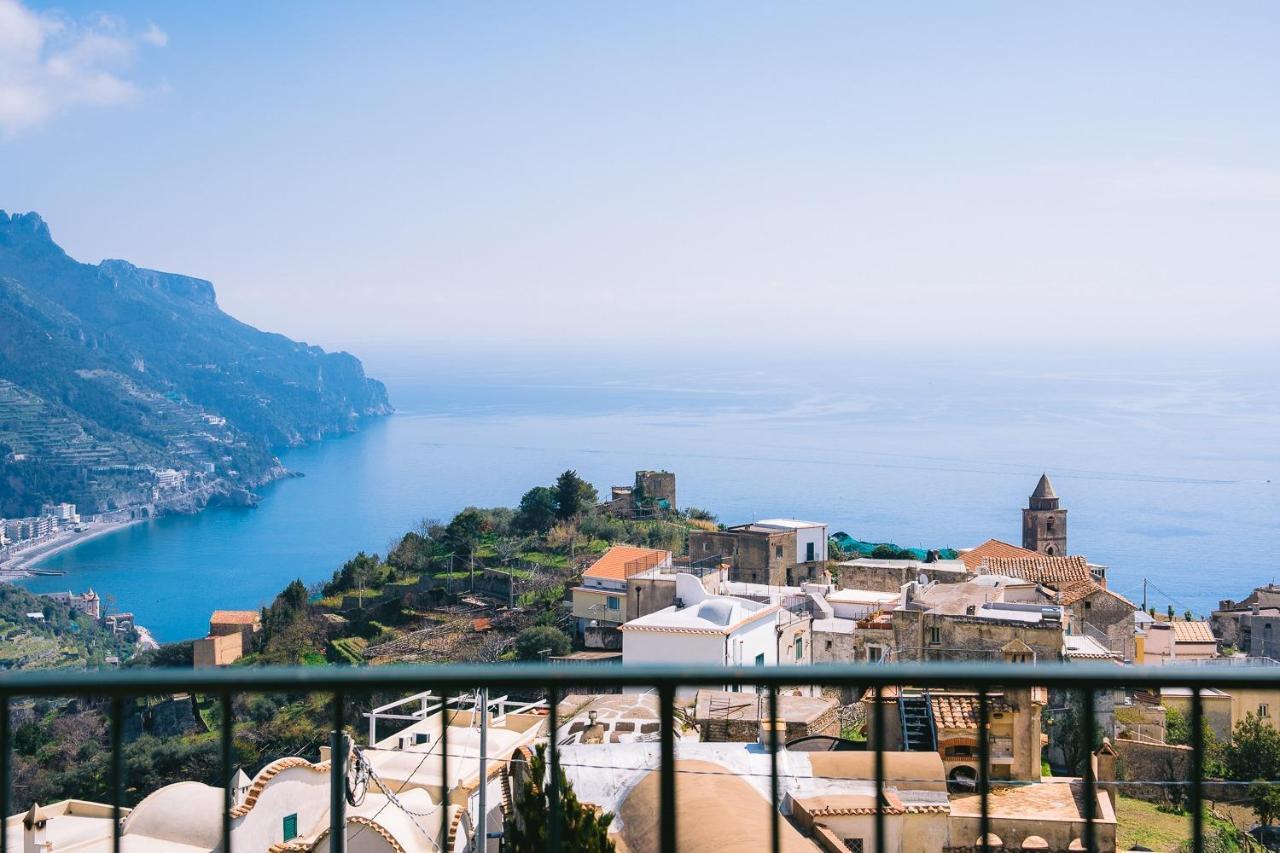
(1044,523)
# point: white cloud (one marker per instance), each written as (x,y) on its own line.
(50,63)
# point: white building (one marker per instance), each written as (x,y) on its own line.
(811,537)
(718,630)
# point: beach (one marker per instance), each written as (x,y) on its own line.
(17,564)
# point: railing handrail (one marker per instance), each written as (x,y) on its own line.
(540,676)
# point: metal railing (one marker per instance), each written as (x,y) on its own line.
(451,680)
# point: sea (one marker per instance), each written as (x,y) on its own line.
(1168,463)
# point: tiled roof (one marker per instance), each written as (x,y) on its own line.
(1070,576)
(235,617)
(266,774)
(1193,632)
(613,564)
(960,710)
(991,548)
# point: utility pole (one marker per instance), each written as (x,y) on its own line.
(1144,595)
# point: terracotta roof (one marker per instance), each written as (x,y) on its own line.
(960,711)
(1193,632)
(235,617)
(613,564)
(266,774)
(1070,576)
(992,548)
(841,805)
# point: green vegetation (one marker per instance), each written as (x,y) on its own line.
(60,637)
(1140,823)
(582,828)
(541,641)
(1254,756)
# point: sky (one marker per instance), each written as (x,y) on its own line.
(672,178)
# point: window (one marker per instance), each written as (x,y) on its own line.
(874,654)
(777,551)
(935,636)
(1049,522)
(1264,710)
(853,845)
(760,659)
(706,546)
(615,603)
(1088,605)
(828,645)
(808,553)
(799,649)
(290,827)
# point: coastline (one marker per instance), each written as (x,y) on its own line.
(19,565)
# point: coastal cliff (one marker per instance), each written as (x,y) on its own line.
(122,386)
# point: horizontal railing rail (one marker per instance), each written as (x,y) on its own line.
(341,683)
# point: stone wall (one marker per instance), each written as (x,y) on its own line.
(881,578)
(1141,767)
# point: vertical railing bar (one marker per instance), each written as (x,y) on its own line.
(117,769)
(984,770)
(1090,783)
(4,771)
(553,787)
(1197,771)
(337,780)
(227,781)
(775,817)
(444,768)
(877,731)
(667,771)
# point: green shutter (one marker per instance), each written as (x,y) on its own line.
(290,827)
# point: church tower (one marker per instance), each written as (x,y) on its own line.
(1044,523)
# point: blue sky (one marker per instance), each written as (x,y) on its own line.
(735,175)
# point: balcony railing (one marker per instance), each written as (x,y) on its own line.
(449,681)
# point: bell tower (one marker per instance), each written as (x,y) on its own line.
(1044,523)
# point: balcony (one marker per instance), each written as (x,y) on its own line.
(872,786)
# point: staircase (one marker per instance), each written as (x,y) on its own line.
(718,720)
(915,713)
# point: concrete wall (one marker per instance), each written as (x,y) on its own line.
(855,574)
(970,638)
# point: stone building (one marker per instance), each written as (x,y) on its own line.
(1094,610)
(653,493)
(775,551)
(990,618)
(890,575)
(1252,625)
(1044,522)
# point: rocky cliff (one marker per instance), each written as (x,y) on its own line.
(118,382)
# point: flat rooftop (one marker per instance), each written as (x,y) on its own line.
(1039,802)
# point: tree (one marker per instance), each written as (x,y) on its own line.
(573,494)
(532,642)
(464,531)
(1254,756)
(537,512)
(582,828)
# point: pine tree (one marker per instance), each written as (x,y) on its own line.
(583,829)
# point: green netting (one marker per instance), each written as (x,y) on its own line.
(849,545)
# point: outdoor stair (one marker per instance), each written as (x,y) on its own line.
(916,716)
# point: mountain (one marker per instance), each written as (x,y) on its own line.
(122,386)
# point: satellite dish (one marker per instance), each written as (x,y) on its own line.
(923,580)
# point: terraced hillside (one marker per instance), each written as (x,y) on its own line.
(110,373)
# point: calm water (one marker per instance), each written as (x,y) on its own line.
(1166,469)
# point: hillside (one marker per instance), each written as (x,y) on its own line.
(110,372)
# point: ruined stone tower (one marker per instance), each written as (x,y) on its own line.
(1044,523)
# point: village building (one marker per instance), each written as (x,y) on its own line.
(1044,521)
(717,630)
(1178,642)
(988,618)
(601,599)
(89,603)
(652,495)
(1252,625)
(774,551)
(1093,609)
(231,634)
(889,575)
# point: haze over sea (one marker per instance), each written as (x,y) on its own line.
(1165,462)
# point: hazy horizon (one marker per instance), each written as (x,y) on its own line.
(729,176)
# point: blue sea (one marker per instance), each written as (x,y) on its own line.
(1168,464)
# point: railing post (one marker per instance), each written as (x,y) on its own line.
(1197,771)
(553,757)
(117,769)
(667,778)
(984,771)
(1090,783)
(227,780)
(877,730)
(444,763)
(4,771)
(337,780)
(775,817)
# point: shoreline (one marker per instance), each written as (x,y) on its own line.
(19,565)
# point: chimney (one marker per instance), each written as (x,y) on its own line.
(767,727)
(35,831)
(591,717)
